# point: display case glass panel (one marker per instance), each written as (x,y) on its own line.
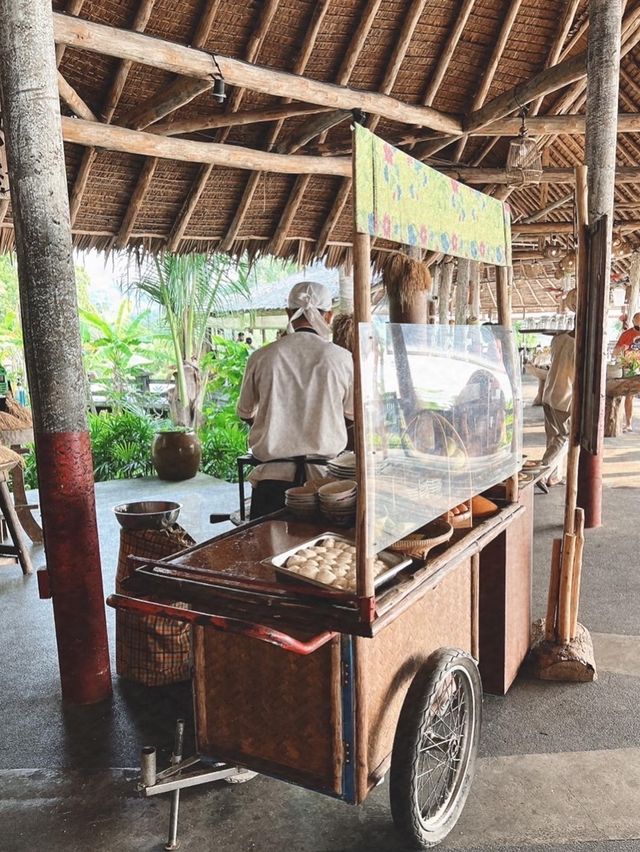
(442,420)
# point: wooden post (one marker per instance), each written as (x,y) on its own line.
(582,278)
(634,291)
(474,292)
(53,352)
(603,70)
(361,314)
(444,293)
(462,292)
(503,295)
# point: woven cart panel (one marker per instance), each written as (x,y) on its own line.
(269,709)
(150,650)
(387,663)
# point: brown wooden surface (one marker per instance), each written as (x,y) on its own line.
(23,509)
(264,707)
(505,600)
(388,662)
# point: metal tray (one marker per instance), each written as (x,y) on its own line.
(395,561)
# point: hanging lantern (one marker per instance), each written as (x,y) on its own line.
(524,163)
(552,251)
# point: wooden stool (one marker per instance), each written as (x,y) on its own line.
(18,549)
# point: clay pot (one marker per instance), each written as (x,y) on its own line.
(176,455)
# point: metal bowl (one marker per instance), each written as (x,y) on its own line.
(147,514)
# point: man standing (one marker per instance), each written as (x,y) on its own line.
(297,395)
(629,341)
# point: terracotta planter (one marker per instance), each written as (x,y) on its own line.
(176,455)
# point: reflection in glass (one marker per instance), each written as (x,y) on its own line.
(441,419)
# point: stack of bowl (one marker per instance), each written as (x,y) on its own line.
(302,501)
(338,502)
(343,466)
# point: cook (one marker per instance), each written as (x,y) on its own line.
(297,396)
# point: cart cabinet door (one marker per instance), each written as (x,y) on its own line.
(386,665)
(270,710)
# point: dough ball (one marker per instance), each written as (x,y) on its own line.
(326,576)
(329,543)
(308,571)
(307,553)
(320,549)
(295,560)
(312,563)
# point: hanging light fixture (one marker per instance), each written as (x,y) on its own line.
(219,85)
(524,163)
(552,251)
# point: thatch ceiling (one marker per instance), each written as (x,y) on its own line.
(419,51)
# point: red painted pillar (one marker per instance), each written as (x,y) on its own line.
(37,177)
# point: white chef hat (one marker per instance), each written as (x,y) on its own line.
(308,298)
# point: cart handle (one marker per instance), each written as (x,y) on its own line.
(222,623)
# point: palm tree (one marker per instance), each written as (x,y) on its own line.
(188,289)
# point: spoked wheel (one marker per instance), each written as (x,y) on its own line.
(435,746)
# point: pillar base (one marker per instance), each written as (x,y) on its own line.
(570,663)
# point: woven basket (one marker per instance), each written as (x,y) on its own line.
(435,533)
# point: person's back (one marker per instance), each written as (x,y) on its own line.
(559,383)
(297,391)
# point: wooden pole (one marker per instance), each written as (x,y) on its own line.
(503,295)
(53,351)
(474,292)
(577,571)
(361,314)
(603,66)
(444,293)
(462,291)
(554,590)
(582,279)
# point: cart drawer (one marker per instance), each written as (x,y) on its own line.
(269,710)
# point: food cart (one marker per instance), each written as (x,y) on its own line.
(331,687)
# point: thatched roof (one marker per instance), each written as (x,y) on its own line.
(419,51)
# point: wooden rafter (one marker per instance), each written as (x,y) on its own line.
(447,52)
(74,7)
(177,126)
(198,186)
(73,100)
(201,34)
(491,68)
(168,100)
(111,102)
(544,211)
(175,58)
(351,56)
(300,65)
(311,129)
(391,75)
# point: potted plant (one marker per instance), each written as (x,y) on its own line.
(187,289)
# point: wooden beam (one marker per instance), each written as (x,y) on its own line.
(311,129)
(137,199)
(559,40)
(168,100)
(491,68)
(200,37)
(447,52)
(188,206)
(288,214)
(74,7)
(177,59)
(139,142)
(299,67)
(109,107)
(391,74)
(193,124)
(73,100)
(549,208)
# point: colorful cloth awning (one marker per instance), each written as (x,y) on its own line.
(398,198)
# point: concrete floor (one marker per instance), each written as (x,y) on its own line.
(559,765)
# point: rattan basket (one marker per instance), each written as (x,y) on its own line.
(431,535)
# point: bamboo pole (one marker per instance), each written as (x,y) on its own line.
(444,293)
(554,591)
(576,578)
(563,633)
(361,314)
(462,291)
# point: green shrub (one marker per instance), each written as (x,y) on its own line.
(121,445)
(223,439)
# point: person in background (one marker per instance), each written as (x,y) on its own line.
(240,337)
(629,341)
(556,399)
(297,397)
(249,342)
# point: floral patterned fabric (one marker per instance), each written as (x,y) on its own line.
(400,199)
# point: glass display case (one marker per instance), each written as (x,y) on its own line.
(442,420)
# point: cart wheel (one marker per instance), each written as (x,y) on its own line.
(434,749)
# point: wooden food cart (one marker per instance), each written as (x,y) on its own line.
(332,688)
